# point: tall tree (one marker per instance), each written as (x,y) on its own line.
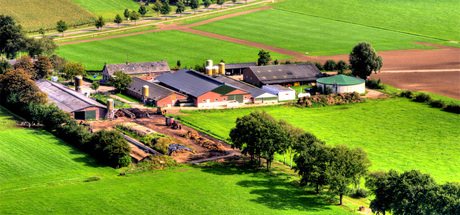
(12,39)
(134,15)
(221,2)
(142,10)
(264,58)
(121,80)
(342,66)
(99,23)
(292,139)
(42,67)
(165,9)
(127,14)
(95,85)
(180,7)
(72,69)
(25,63)
(330,65)
(111,146)
(17,87)
(157,6)
(118,20)
(61,26)
(207,3)
(194,4)
(41,31)
(58,63)
(363,60)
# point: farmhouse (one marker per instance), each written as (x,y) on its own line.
(342,84)
(148,70)
(78,105)
(205,91)
(159,95)
(286,75)
(283,93)
(257,95)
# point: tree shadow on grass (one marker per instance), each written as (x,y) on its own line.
(274,192)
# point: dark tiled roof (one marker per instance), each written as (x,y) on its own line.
(156,92)
(255,91)
(286,73)
(139,68)
(65,98)
(190,82)
(239,65)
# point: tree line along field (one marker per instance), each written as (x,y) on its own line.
(36,14)
(431,18)
(397,133)
(41,174)
(315,35)
(108,8)
(190,49)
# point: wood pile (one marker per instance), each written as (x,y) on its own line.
(206,143)
(138,113)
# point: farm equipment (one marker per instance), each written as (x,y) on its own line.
(159,112)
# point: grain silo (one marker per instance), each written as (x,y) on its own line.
(78,83)
(209,70)
(145,93)
(110,108)
(215,70)
(222,68)
(209,63)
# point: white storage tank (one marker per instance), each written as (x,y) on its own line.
(342,84)
(283,93)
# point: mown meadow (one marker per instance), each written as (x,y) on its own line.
(396,133)
(36,14)
(40,174)
(315,35)
(190,49)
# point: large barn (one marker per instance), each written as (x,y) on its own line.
(257,95)
(77,104)
(205,91)
(237,68)
(147,70)
(159,95)
(342,84)
(286,75)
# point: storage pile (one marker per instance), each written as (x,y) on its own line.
(176,147)
(332,99)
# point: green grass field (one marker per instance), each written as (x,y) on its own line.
(396,133)
(432,18)
(36,14)
(303,33)
(171,46)
(108,8)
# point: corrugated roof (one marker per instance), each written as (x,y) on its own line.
(65,98)
(139,68)
(286,73)
(255,91)
(156,92)
(190,82)
(238,65)
(343,80)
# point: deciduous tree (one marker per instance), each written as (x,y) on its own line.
(25,63)
(165,9)
(42,67)
(220,2)
(134,15)
(95,86)
(207,3)
(142,10)
(180,7)
(99,23)
(342,66)
(194,4)
(264,58)
(118,20)
(12,39)
(157,6)
(4,65)
(121,80)
(72,69)
(363,60)
(17,87)
(61,26)
(110,147)
(330,65)
(58,63)
(126,13)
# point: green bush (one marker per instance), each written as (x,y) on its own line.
(408,94)
(422,97)
(330,65)
(319,65)
(374,84)
(453,108)
(92,179)
(327,91)
(360,193)
(437,103)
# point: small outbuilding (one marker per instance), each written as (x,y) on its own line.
(257,95)
(283,93)
(342,84)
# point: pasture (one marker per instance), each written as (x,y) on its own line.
(171,46)
(108,8)
(36,14)
(431,18)
(396,133)
(315,35)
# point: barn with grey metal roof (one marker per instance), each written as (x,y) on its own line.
(159,95)
(287,74)
(237,68)
(147,68)
(257,95)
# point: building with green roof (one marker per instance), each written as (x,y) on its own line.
(342,84)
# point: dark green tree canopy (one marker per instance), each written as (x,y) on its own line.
(342,66)
(330,65)
(12,39)
(206,3)
(61,26)
(4,65)
(195,4)
(111,146)
(126,13)
(363,60)
(121,80)
(118,19)
(99,23)
(72,69)
(142,10)
(157,6)
(264,58)
(134,15)
(220,2)
(180,7)
(165,8)
(42,67)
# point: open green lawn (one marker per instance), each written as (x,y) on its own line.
(171,46)
(108,8)
(432,18)
(31,158)
(303,33)
(396,133)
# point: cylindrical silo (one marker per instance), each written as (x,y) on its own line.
(209,63)
(215,70)
(209,70)
(78,83)
(110,104)
(222,68)
(145,91)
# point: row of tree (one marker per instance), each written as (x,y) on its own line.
(20,94)
(261,136)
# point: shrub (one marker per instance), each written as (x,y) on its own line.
(319,65)
(374,84)
(422,97)
(453,108)
(330,65)
(437,103)
(327,91)
(360,193)
(92,179)
(408,94)
(341,66)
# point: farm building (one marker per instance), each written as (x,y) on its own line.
(205,91)
(342,84)
(283,93)
(257,95)
(237,68)
(77,104)
(286,75)
(146,70)
(159,95)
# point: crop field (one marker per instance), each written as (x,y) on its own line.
(397,133)
(431,18)
(36,14)
(303,33)
(171,46)
(31,158)
(108,8)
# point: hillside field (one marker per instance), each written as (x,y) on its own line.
(397,133)
(40,174)
(108,8)
(171,46)
(431,18)
(303,33)
(36,14)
